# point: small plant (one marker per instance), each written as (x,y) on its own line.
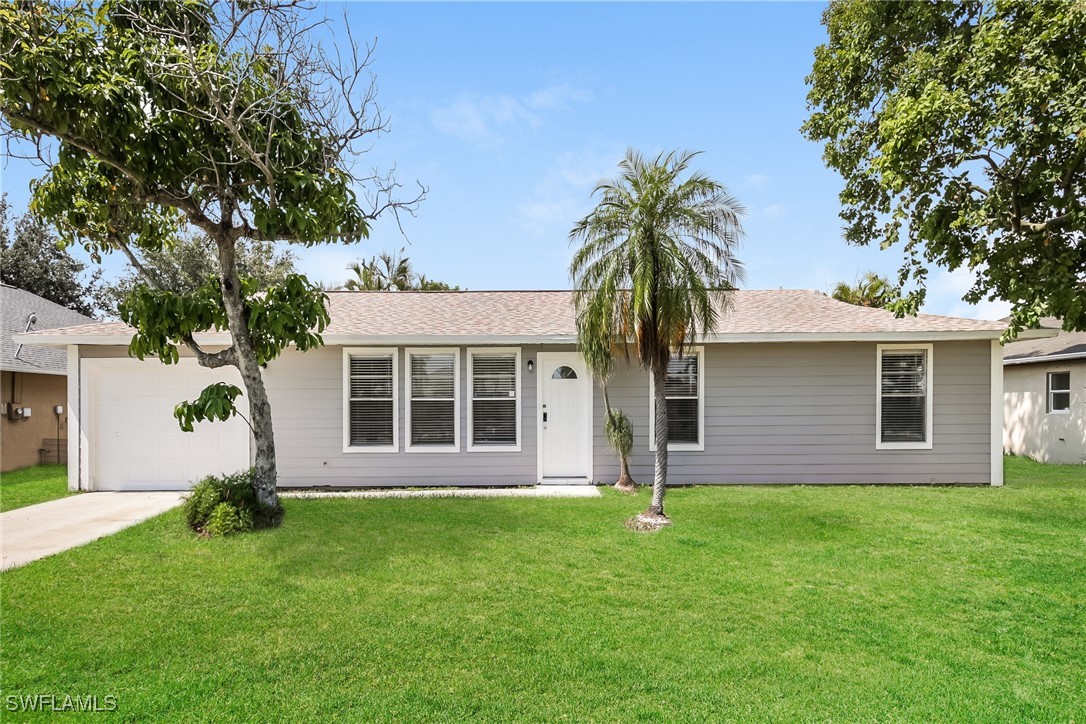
(225,504)
(619,433)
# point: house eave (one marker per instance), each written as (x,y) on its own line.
(1041,359)
(47,340)
(30,370)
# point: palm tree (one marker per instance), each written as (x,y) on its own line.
(653,271)
(596,343)
(383,273)
(391,273)
(870,291)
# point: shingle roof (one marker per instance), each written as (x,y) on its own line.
(1065,345)
(548,316)
(16,307)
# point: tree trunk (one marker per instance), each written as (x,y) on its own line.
(260,418)
(625,483)
(659,481)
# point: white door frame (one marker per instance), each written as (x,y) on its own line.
(543,361)
(88,367)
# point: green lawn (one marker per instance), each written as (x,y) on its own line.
(849,603)
(35,484)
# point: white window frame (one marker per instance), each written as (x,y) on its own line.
(1049,409)
(484,351)
(349,352)
(699,446)
(455,447)
(929,398)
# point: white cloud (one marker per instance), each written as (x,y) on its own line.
(756,181)
(564,193)
(483,119)
(945,291)
(774,211)
(557,97)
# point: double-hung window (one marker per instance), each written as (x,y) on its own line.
(903,412)
(1059,392)
(685,393)
(433,382)
(494,399)
(370,418)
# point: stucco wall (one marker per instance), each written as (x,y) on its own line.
(21,440)
(1028,429)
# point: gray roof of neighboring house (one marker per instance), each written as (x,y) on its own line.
(16,308)
(1065,345)
(548,316)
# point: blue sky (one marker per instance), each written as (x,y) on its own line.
(509,113)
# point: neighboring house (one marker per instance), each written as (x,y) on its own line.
(1044,397)
(487,388)
(33,382)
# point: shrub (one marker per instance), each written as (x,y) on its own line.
(225,504)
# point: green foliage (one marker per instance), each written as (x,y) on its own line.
(785,603)
(31,258)
(97,76)
(292,312)
(656,260)
(216,402)
(619,432)
(960,129)
(186,265)
(227,519)
(655,264)
(391,272)
(224,504)
(225,117)
(870,291)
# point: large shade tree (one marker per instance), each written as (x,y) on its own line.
(960,131)
(655,265)
(31,259)
(186,265)
(241,120)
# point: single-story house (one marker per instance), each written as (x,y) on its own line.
(1044,397)
(487,388)
(33,381)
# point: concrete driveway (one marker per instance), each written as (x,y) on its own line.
(37,531)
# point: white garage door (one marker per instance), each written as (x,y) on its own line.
(134,441)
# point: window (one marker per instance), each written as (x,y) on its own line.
(564,373)
(904,406)
(369,413)
(1059,391)
(685,402)
(494,401)
(433,421)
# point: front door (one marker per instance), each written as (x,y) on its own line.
(565,416)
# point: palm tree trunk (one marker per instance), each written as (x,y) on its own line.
(659,481)
(625,482)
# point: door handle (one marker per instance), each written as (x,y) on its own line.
(544,417)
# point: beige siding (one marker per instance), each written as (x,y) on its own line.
(1029,429)
(805,413)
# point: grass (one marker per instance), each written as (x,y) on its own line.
(35,484)
(850,603)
